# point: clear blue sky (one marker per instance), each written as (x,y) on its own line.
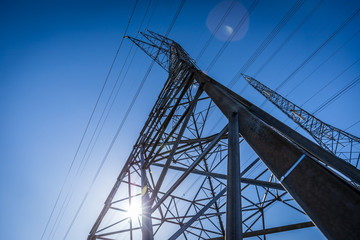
(54,58)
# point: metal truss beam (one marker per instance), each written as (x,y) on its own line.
(177,141)
(279,229)
(327,199)
(223,177)
(274,230)
(195,217)
(146,228)
(191,168)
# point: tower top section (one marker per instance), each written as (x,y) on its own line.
(166,52)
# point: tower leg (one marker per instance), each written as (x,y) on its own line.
(146,228)
(233,206)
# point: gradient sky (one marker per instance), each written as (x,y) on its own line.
(54,58)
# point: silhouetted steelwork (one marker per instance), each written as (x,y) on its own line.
(178,168)
(341,143)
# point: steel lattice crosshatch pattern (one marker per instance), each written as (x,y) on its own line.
(177,170)
(343,144)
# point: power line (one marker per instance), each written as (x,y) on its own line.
(122,81)
(237,28)
(57,218)
(107,103)
(352,125)
(206,45)
(109,110)
(121,125)
(119,87)
(220,23)
(88,124)
(109,150)
(325,61)
(152,13)
(339,29)
(336,77)
(112,91)
(270,37)
(61,214)
(102,114)
(175,17)
(290,13)
(289,38)
(225,45)
(338,94)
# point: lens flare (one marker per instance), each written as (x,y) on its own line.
(229,30)
(228,21)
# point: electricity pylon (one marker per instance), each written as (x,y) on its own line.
(342,144)
(182,181)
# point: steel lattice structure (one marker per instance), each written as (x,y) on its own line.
(341,143)
(188,182)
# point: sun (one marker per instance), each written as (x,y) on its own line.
(134,210)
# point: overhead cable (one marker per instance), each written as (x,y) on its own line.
(88,124)
(270,37)
(120,126)
(339,29)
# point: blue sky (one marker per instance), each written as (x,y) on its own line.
(55,56)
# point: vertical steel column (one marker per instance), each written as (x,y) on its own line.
(233,197)
(146,228)
(130,196)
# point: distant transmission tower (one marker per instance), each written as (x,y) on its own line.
(182,182)
(340,143)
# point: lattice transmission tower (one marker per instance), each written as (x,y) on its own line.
(341,143)
(183,181)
